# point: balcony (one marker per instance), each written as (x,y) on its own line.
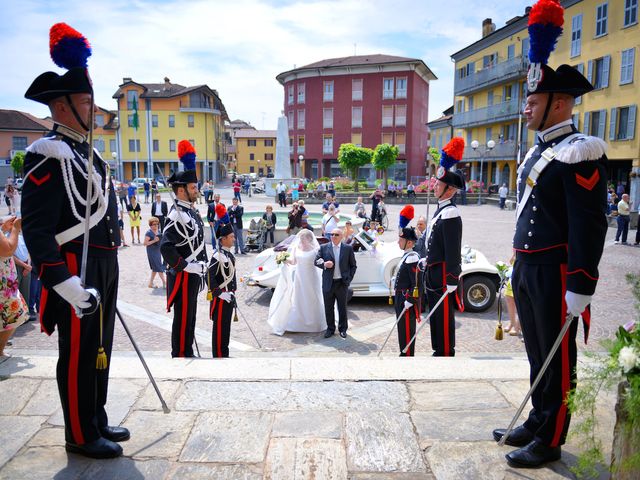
(197,107)
(502,151)
(500,112)
(502,72)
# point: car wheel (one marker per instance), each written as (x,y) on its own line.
(479,293)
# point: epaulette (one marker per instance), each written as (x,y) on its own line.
(451,212)
(51,147)
(582,148)
(413,257)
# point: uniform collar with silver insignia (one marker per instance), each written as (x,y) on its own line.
(69,132)
(184,204)
(558,130)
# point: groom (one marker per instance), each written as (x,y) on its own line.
(336,277)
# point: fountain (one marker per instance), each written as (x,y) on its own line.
(283,164)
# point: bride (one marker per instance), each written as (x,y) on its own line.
(297,304)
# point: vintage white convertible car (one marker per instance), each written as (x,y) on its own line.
(377,262)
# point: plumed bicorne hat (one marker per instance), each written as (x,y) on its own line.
(187,155)
(545,26)
(449,156)
(223,224)
(408,233)
(406,215)
(70,50)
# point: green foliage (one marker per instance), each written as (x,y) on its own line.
(351,158)
(17,163)
(384,156)
(435,154)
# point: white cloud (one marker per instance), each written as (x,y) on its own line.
(238,47)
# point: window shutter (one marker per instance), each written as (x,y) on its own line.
(631,123)
(602,123)
(612,123)
(590,72)
(580,68)
(606,62)
(587,123)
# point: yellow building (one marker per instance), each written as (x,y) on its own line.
(600,38)
(440,132)
(168,113)
(255,151)
(230,129)
(105,136)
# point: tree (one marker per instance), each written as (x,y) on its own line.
(17,163)
(384,156)
(435,154)
(351,158)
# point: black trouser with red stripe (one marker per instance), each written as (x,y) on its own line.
(220,313)
(442,323)
(407,324)
(83,388)
(183,291)
(539,292)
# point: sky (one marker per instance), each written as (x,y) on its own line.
(237,47)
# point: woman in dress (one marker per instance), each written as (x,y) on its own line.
(134,217)
(297,304)
(152,242)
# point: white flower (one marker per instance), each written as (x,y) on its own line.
(628,359)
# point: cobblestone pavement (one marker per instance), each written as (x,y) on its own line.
(485,227)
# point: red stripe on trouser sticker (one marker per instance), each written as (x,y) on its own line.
(564,355)
(213,305)
(407,330)
(446,309)
(185,305)
(74,355)
(219,327)
(44,294)
(176,285)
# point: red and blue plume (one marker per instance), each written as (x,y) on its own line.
(68,47)
(187,154)
(452,152)
(406,215)
(221,213)
(545,26)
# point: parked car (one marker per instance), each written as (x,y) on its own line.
(139,182)
(377,264)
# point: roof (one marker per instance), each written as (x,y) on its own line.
(247,133)
(16,120)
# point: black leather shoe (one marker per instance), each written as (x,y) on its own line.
(519,436)
(343,334)
(115,434)
(100,448)
(328,333)
(535,454)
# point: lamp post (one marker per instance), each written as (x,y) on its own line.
(114,155)
(300,159)
(475,144)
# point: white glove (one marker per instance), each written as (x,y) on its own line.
(422,263)
(199,268)
(407,304)
(576,302)
(451,288)
(226,296)
(72,291)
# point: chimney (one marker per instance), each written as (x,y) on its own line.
(527,10)
(488,27)
(167,83)
(126,80)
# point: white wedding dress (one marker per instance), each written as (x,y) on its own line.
(297,304)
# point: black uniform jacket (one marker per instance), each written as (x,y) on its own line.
(445,242)
(564,219)
(408,277)
(183,231)
(219,269)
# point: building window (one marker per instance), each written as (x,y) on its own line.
(580,68)
(401,87)
(112,145)
(156,145)
(601,19)
(525,48)
(490,98)
(387,88)
(268,142)
(511,51)
(252,156)
(190,121)
(626,66)
(290,120)
(154,121)
(327,144)
(489,61)
(19,143)
(623,123)
(576,35)
(300,119)
(268,156)
(400,142)
(98,144)
(172,121)
(252,169)
(387,138)
(100,120)
(356,89)
(172,145)
(134,145)
(401,115)
(290,145)
(598,72)
(301,93)
(356,139)
(356,117)
(387,115)
(594,123)
(630,12)
(290,95)
(251,142)
(488,134)
(300,143)
(131,96)
(130,121)
(460,106)
(327,95)
(327,118)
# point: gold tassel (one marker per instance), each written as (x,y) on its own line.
(415,292)
(499,332)
(209,296)
(101,359)
(235,316)
(390,300)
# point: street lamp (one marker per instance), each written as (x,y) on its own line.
(114,155)
(300,159)
(475,144)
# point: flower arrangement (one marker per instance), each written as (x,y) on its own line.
(474,186)
(426,185)
(282,257)
(621,363)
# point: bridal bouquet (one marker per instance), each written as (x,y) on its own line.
(282,257)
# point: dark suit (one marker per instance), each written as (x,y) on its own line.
(163,212)
(336,289)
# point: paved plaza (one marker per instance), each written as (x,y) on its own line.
(302,406)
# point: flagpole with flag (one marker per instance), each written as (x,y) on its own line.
(136,124)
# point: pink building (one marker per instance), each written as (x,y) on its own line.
(365,100)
